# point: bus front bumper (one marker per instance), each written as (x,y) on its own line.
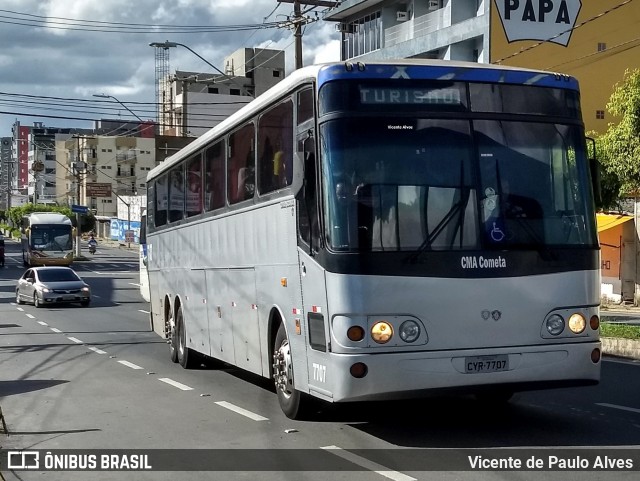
(416,374)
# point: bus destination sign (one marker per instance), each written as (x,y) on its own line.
(409,96)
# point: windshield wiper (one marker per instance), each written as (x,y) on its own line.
(457,210)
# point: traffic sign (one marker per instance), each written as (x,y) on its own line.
(80,209)
(129,236)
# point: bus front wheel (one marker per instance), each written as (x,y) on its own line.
(292,402)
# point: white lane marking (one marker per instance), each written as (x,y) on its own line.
(130,364)
(20,309)
(143,311)
(95,349)
(30,316)
(175,384)
(239,410)
(370,465)
(75,339)
(115,266)
(55,330)
(42,323)
(622,408)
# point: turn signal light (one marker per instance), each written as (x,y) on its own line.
(594,322)
(355,333)
(595,356)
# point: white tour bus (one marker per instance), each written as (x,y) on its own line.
(382,231)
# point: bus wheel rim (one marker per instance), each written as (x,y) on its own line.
(283,369)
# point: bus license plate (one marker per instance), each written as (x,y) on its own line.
(479,364)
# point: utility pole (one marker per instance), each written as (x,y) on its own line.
(299,19)
(77,171)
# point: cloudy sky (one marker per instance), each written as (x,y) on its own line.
(55,54)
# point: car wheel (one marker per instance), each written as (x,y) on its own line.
(186,357)
(18,299)
(36,301)
(293,403)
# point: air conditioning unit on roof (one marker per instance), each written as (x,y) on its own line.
(402,16)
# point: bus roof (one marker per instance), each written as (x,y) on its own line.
(400,68)
(48,218)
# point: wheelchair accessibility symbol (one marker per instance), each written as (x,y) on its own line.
(496,234)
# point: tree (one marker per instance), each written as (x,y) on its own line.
(619,147)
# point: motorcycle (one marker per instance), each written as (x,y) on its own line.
(92,246)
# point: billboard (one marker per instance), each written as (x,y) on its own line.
(544,20)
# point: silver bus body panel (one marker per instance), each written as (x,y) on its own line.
(213,270)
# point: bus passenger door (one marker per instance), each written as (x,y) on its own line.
(314,294)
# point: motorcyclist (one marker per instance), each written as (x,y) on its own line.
(93,243)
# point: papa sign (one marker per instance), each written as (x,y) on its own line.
(547,20)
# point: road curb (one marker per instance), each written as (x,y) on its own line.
(629,348)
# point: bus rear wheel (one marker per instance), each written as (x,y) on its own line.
(186,357)
(173,339)
(292,402)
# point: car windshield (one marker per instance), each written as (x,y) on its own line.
(412,184)
(57,275)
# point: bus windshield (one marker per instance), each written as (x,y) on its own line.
(51,237)
(410,184)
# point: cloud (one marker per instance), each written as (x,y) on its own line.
(69,63)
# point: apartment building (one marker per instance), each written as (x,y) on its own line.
(194,102)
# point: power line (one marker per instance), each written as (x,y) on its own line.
(61,23)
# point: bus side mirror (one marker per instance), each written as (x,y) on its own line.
(298,172)
(594,172)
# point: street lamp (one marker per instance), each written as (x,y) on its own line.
(105,96)
(166,44)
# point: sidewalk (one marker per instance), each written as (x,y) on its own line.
(623,314)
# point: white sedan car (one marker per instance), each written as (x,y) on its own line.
(50,285)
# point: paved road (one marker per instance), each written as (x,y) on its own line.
(97,378)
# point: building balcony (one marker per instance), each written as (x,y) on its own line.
(123,190)
(125,175)
(126,158)
(418,26)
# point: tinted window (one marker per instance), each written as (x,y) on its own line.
(176,193)
(194,186)
(241,182)
(162,200)
(275,148)
(214,182)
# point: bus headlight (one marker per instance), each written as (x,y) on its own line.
(577,323)
(381,332)
(409,331)
(555,324)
